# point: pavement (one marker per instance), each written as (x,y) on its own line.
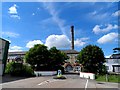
(72,81)
(9,78)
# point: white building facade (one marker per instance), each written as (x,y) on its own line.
(113,65)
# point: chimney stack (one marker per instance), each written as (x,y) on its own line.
(72,37)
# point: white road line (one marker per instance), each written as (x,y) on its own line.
(86,84)
(49,81)
(44,82)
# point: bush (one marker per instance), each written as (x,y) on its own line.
(61,77)
(9,67)
(19,69)
(27,71)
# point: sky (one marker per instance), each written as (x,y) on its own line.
(25,24)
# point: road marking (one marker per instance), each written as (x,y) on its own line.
(49,81)
(86,84)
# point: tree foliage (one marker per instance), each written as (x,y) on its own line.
(40,58)
(37,56)
(19,69)
(92,59)
(56,56)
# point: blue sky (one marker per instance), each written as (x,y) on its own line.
(27,23)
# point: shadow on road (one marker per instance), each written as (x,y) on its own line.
(9,78)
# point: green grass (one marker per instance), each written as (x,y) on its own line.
(111,78)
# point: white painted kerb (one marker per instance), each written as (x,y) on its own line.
(87,75)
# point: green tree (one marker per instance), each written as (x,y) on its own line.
(92,59)
(57,57)
(37,56)
(40,58)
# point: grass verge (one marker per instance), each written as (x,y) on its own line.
(109,78)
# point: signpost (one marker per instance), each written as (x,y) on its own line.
(59,73)
(4,46)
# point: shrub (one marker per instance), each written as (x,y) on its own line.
(61,77)
(9,68)
(19,69)
(27,71)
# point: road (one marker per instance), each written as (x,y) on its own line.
(72,81)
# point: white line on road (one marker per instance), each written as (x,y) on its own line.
(49,81)
(86,84)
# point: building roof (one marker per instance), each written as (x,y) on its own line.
(70,51)
(4,40)
(24,52)
(17,53)
(115,56)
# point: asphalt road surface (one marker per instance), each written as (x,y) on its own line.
(72,81)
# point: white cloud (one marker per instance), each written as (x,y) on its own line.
(108,38)
(15,49)
(107,56)
(59,41)
(96,15)
(93,13)
(13,9)
(55,16)
(97,29)
(15,16)
(13,12)
(33,14)
(117,13)
(30,44)
(80,42)
(10,34)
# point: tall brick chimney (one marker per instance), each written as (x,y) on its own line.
(72,37)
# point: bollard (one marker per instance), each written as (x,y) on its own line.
(106,78)
(59,73)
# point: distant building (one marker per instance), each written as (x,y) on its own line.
(70,65)
(72,54)
(113,63)
(15,56)
(117,56)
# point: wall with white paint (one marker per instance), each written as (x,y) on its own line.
(87,75)
(45,73)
